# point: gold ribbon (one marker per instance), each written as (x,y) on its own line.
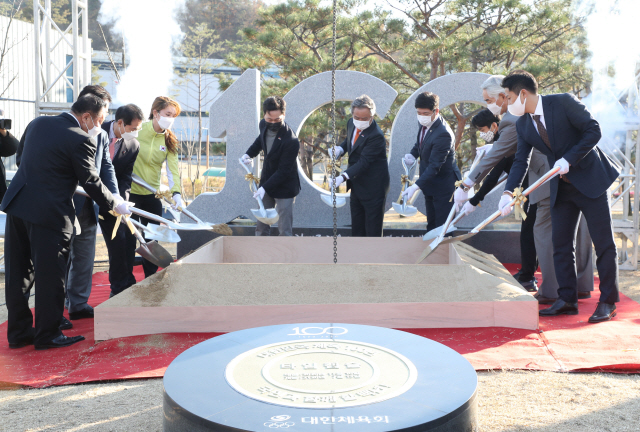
(458,184)
(167,195)
(404,179)
(520,200)
(119,218)
(250,177)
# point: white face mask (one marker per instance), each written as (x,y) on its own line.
(517,108)
(166,122)
(361,125)
(426,121)
(495,109)
(487,136)
(94,131)
(128,135)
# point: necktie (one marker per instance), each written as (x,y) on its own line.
(542,131)
(422,133)
(112,147)
(355,139)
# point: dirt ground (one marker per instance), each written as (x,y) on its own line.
(508,401)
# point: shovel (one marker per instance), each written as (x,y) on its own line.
(152,251)
(266,216)
(401,206)
(328,198)
(157,232)
(436,232)
(435,243)
(222,229)
(542,180)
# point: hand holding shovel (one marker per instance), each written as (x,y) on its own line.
(402,206)
(516,200)
(266,216)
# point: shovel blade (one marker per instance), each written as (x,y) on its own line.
(434,245)
(340,201)
(155,253)
(270,216)
(404,210)
(436,232)
(161,234)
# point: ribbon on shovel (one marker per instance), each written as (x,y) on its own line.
(404,179)
(119,218)
(458,184)
(520,200)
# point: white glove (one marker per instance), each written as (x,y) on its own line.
(246,159)
(563,164)
(177,201)
(122,206)
(504,206)
(468,208)
(460,196)
(409,192)
(259,193)
(338,181)
(481,151)
(339,151)
(409,159)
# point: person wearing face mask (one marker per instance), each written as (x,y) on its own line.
(58,154)
(279,181)
(486,122)
(503,147)
(562,128)
(83,241)
(158,146)
(435,146)
(123,149)
(367,174)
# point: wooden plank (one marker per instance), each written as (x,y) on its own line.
(132,321)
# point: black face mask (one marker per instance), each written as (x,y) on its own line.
(274,127)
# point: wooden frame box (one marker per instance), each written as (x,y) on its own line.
(233,283)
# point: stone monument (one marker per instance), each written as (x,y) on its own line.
(320,377)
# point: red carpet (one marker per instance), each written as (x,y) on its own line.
(564,343)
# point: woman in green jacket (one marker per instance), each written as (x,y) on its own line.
(158,146)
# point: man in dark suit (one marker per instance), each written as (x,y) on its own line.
(123,150)
(83,242)
(367,174)
(435,146)
(562,128)
(58,153)
(8,147)
(279,181)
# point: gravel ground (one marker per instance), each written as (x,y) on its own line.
(509,401)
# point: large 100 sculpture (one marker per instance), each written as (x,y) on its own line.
(237,113)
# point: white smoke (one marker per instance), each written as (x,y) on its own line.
(149,28)
(612,29)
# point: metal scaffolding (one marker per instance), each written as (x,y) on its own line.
(625,153)
(56,70)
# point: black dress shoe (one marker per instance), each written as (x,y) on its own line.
(584,294)
(560,307)
(604,312)
(60,342)
(26,340)
(65,324)
(84,313)
(530,286)
(20,344)
(544,300)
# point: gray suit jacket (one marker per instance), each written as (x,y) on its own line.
(538,166)
(505,146)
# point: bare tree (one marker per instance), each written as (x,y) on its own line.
(10,11)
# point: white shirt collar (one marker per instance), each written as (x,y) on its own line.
(74,117)
(539,110)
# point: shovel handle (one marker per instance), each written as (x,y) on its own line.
(445,227)
(542,180)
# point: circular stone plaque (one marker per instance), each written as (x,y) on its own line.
(320,377)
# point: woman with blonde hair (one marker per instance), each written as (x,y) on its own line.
(158,146)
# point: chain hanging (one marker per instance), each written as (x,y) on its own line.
(334,137)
